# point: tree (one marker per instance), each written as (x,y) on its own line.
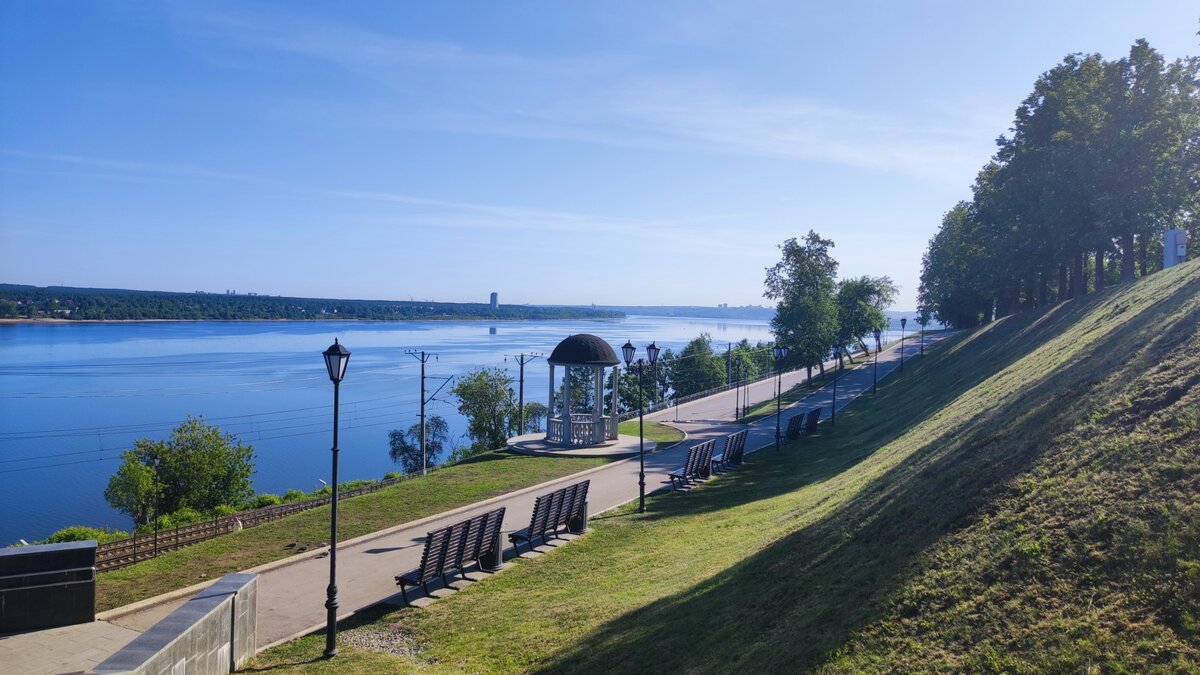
(199,468)
(405,447)
(484,400)
(131,489)
(535,412)
(861,302)
(806,314)
(696,369)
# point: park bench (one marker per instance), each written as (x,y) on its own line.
(562,508)
(795,426)
(697,466)
(432,559)
(452,549)
(731,452)
(810,422)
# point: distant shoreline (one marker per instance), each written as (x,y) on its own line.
(347,320)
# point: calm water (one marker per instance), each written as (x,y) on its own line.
(73,396)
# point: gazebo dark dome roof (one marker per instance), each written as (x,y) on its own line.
(583,350)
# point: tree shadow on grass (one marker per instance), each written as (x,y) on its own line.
(790,605)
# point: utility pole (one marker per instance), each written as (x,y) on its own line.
(423,357)
(521,360)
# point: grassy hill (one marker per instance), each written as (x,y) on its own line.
(1026,498)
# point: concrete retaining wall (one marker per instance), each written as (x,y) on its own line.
(214,632)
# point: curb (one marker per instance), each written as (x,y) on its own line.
(169,596)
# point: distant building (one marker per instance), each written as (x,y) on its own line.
(495,300)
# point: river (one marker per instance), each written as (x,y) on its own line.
(74,396)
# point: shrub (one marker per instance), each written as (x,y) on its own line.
(83,533)
(349,485)
(294,495)
(392,475)
(223,510)
(263,500)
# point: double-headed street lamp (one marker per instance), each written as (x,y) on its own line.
(336,358)
(628,350)
(878,346)
(903,322)
(837,365)
(781,353)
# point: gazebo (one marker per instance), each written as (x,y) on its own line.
(582,428)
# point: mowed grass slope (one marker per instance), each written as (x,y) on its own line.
(1022,499)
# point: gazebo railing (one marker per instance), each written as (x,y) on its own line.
(554,430)
(585,430)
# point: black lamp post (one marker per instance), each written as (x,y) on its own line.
(156,461)
(878,346)
(737,388)
(336,358)
(781,353)
(837,366)
(628,350)
(903,322)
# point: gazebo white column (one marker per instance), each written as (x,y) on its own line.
(598,433)
(566,412)
(614,407)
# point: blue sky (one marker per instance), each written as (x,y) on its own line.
(611,152)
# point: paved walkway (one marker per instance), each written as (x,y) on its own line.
(291,593)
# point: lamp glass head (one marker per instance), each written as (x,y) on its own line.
(628,350)
(336,358)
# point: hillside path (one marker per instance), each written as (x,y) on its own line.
(291,596)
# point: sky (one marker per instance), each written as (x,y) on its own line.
(616,152)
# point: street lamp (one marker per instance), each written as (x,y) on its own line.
(903,322)
(837,365)
(878,346)
(628,350)
(336,358)
(781,353)
(737,387)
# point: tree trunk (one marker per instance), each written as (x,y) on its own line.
(821,367)
(1099,270)
(1043,283)
(1078,280)
(1060,293)
(1143,255)
(1127,256)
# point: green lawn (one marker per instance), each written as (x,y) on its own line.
(1023,499)
(478,478)
(795,393)
(658,432)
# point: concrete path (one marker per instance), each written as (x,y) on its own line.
(291,593)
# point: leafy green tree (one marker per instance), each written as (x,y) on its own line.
(861,302)
(404,447)
(535,413)
(199,468)
(806,314)
(484,400)
(697,368)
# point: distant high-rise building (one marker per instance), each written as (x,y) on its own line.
(495,300)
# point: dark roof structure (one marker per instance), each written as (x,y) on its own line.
(583,350)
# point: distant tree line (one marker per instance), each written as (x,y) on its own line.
(124,305)
(1102,158)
